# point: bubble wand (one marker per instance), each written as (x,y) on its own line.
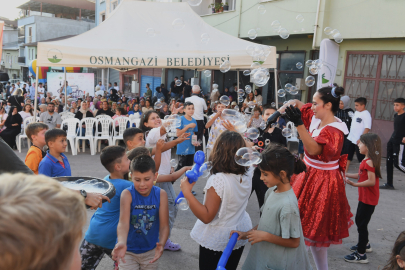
(193,174)
(227,252)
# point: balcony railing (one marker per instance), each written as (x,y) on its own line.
(208,7)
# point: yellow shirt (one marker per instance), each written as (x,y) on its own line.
(33,158)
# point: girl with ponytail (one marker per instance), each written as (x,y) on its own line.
(324,209)
(278,241)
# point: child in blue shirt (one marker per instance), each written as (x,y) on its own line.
(101,235)
(143,227)
(186,149)
(55,163)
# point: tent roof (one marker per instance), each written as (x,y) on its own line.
(129,45)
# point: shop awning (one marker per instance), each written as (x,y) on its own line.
(141,34)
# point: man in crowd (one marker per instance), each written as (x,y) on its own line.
(105,110)
(199,108)
(165,92)
(116,87)
(50,117)
(187,89)
(8,87)
(32,91)
(41,90)
(68,89)
(148,93)
(102,87)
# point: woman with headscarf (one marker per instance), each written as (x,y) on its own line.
(13,127)
(343,114)
(135,110)
(113,95)
(164,111)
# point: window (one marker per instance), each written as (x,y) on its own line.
(288,72)
(114,5)
(102,17)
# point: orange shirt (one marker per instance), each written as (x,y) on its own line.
(33,158)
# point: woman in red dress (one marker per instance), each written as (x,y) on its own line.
(324,209)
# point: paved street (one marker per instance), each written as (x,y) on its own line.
(387,222)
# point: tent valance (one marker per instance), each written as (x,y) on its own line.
(164,46)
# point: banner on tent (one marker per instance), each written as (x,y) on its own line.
(81,83)
(328,54)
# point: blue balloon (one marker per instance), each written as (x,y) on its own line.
(199,157)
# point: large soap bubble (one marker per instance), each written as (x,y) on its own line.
(205,169)
(240,99)
(178,24)
(151,32)
(173,163)
(248,89)
(205,38)
(176,120)
(252,104)
(178,82)
(246,156)
(225,66)
(286,132)
(252,34)
(327,30)
(246,72)
(338,38)
(299,65)
(254,65)
(310,81)
(224,100)
(283,33)
(287,87)
(241,92)
(182,204)
(158,105)
(276,25)
(230,115)
(261,9)
(207,73)
(318,63)
(299,18)
(266,50)
(240,126)
(313,69)
(281,93)
(250,50)
(253,133)
(334,32)
(308,63)
(194,3)
(293,91)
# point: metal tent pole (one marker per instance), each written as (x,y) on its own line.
(237,78)
(275,87)
(36,96)
(64,85)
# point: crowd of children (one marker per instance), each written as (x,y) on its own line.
(133,228)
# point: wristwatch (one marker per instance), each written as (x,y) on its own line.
(83,193)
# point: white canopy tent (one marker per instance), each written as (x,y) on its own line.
(151,35)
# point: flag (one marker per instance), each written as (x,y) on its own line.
(329,55)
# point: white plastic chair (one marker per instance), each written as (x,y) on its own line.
(22,135)
(67,116)
(103,131)
(122,126)
(72,125)
(103,116)
(135,121)
(89,123)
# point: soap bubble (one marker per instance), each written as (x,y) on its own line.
(230,115)
(338,38)
(205,169)
(207,73)
(377,153)
(246,72)
(351,114)
(240,126)
(248,89)
(241,92)
(266,50)
(313,69)
(224,100)
(281,93)
(225,66)
(261,77)
(182,204)
(293,91)
(288,87)
(173,163)
(194,3)
(240,99)
(299,18)
(158,105)
(178,24)
(254,65)
(204,37)
(310,81)
(299,65)
(178,82)
(318,63)
(246,156)
(262,125)
(334,32)
(261,9)
(175,120)
(151,32)
(273,104)
(252,34)
(236,108)
(283,33)
(285,102)
(259,103)
(327,30)
(286,132)
(250,50)
(253,133)
(276,25)
(251,104)
(308,63)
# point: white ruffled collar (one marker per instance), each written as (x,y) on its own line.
(338,125)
